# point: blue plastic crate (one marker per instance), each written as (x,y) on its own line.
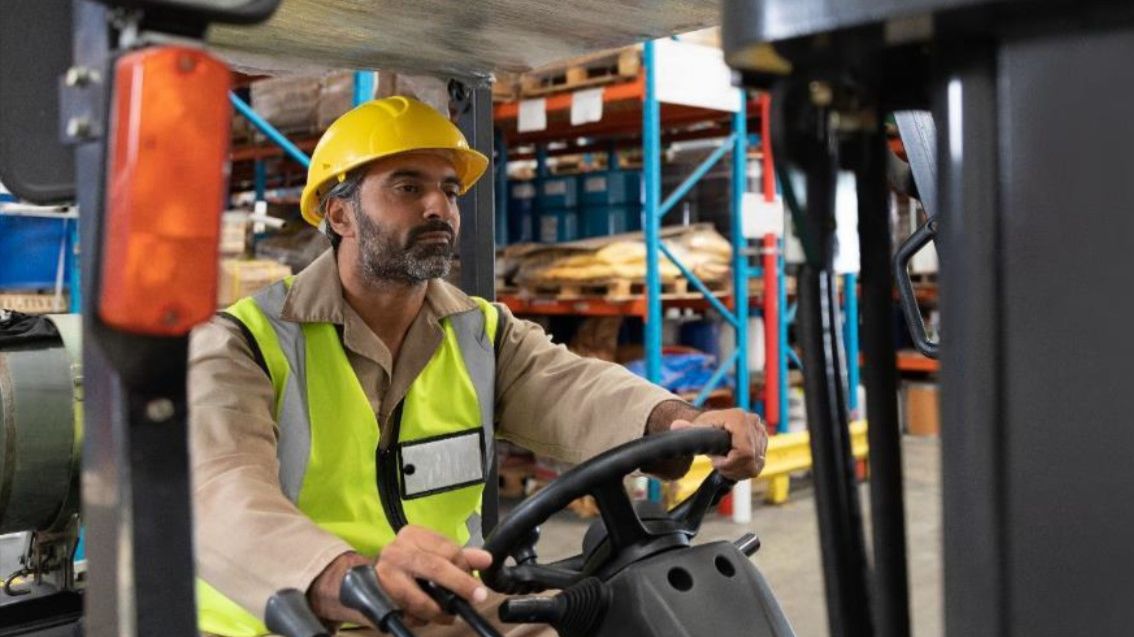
(559,192)
(557,225)
(29,252)
(601,221)
(522,192)
(523,220)
(611,188)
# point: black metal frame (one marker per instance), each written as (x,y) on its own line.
(135,457)
(1030,100)
(478,220)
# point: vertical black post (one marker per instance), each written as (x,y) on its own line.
(972,307)
(478,239)
(836,495)
(478,233)
(887,509)
(135,456)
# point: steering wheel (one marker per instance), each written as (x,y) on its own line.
(626,536)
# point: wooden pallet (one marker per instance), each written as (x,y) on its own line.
(616,289)
(619,289)
(34,303)
(582,72)
(505,87)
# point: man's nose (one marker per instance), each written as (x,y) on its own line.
(437,205)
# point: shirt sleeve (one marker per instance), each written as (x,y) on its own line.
(562,405)
(250,539)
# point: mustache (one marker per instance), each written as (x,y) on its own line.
(429,227)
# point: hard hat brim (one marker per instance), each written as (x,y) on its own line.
(470,165)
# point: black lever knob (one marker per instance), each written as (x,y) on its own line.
(579,610)
(532,610)
(362,592)
(288,614)
(454,604)
(748,544)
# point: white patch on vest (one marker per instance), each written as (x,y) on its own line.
(442,464)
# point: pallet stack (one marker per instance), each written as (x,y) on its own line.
(588,71)
(615,267)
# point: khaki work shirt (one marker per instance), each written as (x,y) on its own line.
(251,541)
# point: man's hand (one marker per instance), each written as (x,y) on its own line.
(749,441)
(416,553)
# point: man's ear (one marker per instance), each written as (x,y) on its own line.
(340,217)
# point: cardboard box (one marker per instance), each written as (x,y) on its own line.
(234,225)
(240,278)
(336,96)
(289,102)
(921,410)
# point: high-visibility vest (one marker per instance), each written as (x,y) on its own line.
(331,465)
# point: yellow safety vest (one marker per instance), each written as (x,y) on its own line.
(331,465)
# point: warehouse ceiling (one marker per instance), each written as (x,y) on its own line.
(450,37)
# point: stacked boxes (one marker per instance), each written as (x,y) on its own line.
(523,220)
(558,209)
(611,202)
(569,207)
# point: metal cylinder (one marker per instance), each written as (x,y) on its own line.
(40,425)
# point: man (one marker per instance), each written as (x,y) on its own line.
(346,416)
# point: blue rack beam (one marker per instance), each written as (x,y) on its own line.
(363,87)
(850,337)
(714,380)
(739,245)
(651,226)
(785,347)
(269,131)
(653,211)
(701,171)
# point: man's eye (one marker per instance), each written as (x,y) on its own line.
(408,188)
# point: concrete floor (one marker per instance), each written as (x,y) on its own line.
(789,557)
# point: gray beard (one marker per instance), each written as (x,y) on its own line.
(382,259)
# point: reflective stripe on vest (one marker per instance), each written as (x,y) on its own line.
(328,435)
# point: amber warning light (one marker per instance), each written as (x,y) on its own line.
(166,178)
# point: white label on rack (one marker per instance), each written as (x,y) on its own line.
(761,217)
(524,190)
(595,184)
(533,115)
(556,187)
(846,224)
(586,106)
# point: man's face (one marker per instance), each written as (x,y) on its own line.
(407,219)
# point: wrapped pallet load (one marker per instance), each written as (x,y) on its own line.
(619,261)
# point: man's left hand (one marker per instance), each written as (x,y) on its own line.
(749,441)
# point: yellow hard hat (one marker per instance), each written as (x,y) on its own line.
(381,128)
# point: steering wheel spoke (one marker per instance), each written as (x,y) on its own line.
(623,526)
(534,578)
(689,513)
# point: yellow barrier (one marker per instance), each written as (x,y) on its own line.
(787,453)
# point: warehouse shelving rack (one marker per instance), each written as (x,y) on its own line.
(631,108)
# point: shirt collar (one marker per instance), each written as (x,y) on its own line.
(316,295)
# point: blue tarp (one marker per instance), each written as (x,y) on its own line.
(685,372)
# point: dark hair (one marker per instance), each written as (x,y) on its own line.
(350,188)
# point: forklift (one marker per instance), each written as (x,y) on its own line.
(1010,110)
